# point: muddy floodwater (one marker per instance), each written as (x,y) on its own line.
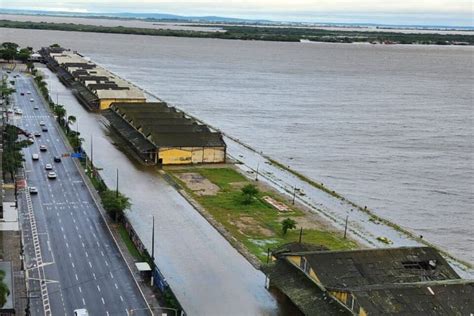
(389,126)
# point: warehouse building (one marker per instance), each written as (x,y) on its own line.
(94,86)
(164,135)
(394,281)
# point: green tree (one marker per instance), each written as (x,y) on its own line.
(115,204)
(24,54)
(55,45)
(249,192)
(30,66)
(12,156)
(71,119)
(4,291)
(286,224)
(60,113)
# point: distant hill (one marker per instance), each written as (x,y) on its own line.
(141,16)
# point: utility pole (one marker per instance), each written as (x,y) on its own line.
(153,240)
(301,234)
(116,190)
(294,195)
(92,153)
(256,174)
(345,228)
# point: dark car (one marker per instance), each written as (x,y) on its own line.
(57,159)
(44,129)
(22,93)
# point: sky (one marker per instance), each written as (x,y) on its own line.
(411,12)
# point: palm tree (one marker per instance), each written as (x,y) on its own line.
(71,119)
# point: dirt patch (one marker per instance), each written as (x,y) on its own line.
(238,185)
(247,225)
(198,184)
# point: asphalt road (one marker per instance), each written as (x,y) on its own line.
(75,253)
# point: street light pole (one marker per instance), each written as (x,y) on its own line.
(256,174)
(116,188)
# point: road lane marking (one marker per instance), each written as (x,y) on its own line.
(106,263)
(67,245)
(116,286)
(90,264)
(111,275)
(98,287)
(72,263)
(93,274)
(102,253)
(103,302)
(80,290)
(62,229)
(77,279)
(87,255)
(83,301)
(83,246)
(121,298)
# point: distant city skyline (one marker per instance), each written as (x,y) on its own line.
(402,12)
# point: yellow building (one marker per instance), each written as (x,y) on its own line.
(176,138)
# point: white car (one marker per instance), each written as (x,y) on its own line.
(43,148)
(33,190)
(28,92)
(52,175)
(35,157)
(19,111)
(32,100)
(81,312)
(48,166)
(42,123)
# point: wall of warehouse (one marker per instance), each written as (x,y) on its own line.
(191,155)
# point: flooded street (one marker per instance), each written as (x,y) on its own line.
(208,276)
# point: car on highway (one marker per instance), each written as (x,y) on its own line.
(42,123)
(18,111)
(37,134)
(35,157)
(44,129)
(33,190)
(48,166)
(36,107)
(81,312)
(43,148)
(28,92)
(22,93)
(31,139)
(57,159)
(32,100)
(52,175)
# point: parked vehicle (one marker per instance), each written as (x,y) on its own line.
(52,175)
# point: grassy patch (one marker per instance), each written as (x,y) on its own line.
(257,225)
(128,242)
